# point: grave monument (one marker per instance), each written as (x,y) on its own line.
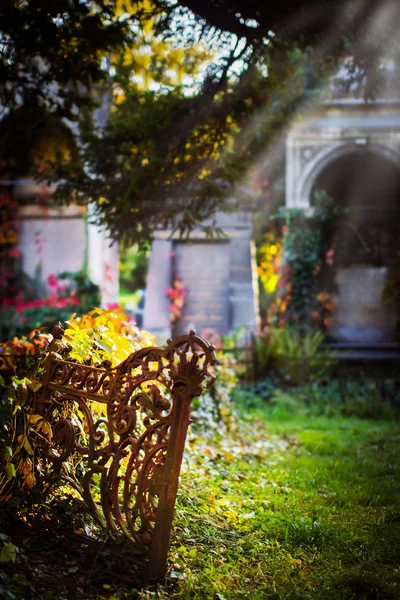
(219,276)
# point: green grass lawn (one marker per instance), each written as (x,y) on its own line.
(307,508)
(287,507)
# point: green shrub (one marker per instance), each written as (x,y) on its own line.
(297,357)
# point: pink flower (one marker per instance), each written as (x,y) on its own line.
(52,281)
(329,256)
(112,305)
(281,283)
(171,293)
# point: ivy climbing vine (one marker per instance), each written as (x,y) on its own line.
(300,272)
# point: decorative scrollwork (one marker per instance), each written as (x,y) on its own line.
(133,452)
(89,380)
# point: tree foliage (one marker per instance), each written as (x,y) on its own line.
(191,95)
(51,52)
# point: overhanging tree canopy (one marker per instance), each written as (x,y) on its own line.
(170,154)
(51,50)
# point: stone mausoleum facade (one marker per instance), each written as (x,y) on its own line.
(351,149)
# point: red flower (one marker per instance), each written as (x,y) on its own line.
(14,253)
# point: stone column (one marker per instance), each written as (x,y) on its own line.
(156,313)
(103,262)
(110,288)
(95,253)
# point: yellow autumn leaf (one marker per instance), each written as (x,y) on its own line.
(35,385)
(222,502)
(72,324)
(30,480)
(33,419)
(45,428)
(28,446)
(70,331)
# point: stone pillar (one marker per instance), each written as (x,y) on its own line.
(156,313)
(243,285)
(110,287)
(103,262)
(95,253)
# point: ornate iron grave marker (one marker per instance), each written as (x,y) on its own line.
(134,452)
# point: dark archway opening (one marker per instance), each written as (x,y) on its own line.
(367,241)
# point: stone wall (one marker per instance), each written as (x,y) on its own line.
(55,239)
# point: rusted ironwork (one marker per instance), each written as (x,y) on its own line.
(134,452)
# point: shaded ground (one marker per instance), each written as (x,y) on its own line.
(299,507)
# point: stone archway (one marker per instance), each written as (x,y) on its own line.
(307,157)
(330,155)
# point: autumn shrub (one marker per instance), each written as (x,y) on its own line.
(214,410)
(298,266)
(90,339)
(101,335)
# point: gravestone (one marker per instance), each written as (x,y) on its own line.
(360,315)
(219,276)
